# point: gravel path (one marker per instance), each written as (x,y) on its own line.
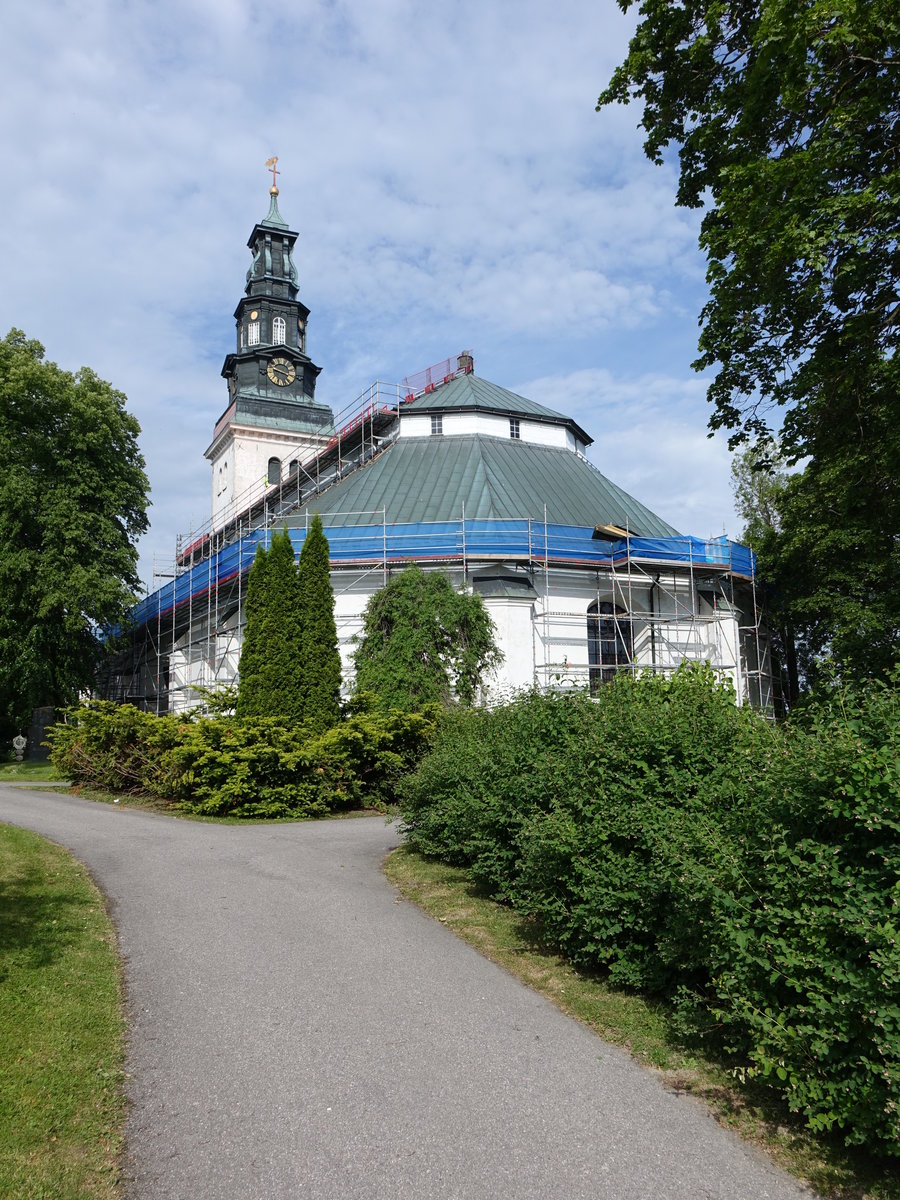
(298,1031)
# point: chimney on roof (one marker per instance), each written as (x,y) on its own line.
(465,363)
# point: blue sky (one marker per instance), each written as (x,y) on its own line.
(452,185)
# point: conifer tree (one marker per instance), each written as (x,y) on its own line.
(270,682)
(319,661)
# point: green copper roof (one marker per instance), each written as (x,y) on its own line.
(469,391)
(431,478)
(273,216)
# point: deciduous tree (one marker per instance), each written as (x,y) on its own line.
(73,501)
(423,642)
(787,122)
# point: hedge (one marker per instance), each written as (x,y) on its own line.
(252,767)
(691,849)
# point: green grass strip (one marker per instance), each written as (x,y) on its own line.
(649,1030)
(62,1028)
(28,772)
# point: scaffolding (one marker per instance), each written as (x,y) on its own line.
(601,599)
(665,601)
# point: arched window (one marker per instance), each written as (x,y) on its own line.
(610,642)
(279,331)
(274,475)
(253,333)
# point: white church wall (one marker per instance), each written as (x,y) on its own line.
(240,466)
(487,425)
(513,623)
(540,434)
(415,425)
(543,641)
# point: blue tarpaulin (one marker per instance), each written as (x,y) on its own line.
(449,540)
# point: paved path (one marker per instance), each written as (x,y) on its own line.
(297,1031)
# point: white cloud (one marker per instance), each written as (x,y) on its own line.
(452,185)
(650,437)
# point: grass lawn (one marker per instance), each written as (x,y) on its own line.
(28,772)
(61,1028)
(649,1030)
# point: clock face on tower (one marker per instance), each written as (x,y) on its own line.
(281,371)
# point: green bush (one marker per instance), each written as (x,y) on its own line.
(809,961)
(114,747)
(597,817)
(253,767)
(262,768)
(691,849)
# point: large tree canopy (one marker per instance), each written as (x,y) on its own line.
(73,500)
(787,121)
(787,117)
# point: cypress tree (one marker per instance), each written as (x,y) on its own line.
(270,684)
(320,663)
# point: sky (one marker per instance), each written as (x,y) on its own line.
(452,185)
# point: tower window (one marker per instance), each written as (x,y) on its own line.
(437,423)
(610,642)
(274,473)
(279,331)
(253,333)
(514,431)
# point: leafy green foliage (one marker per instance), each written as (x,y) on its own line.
(114,747)
(759,477)
(423,642)
(787,120)
(251,767)
(808,976)
(690,849)
(270,682)
(73,499)
(319,663)
(827,555)
(595,816)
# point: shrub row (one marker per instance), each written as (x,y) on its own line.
(693,850)
(252,767)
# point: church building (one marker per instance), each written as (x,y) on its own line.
(453,472)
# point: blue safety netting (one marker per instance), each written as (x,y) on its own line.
(449,540)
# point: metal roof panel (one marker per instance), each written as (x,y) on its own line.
(433,478)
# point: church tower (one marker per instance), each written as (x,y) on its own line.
(272,419)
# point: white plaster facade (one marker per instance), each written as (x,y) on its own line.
(240,456)
(459,424)
(544,637)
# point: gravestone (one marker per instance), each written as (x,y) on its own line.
(41,720)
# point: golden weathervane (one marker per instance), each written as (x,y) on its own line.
(272,164)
